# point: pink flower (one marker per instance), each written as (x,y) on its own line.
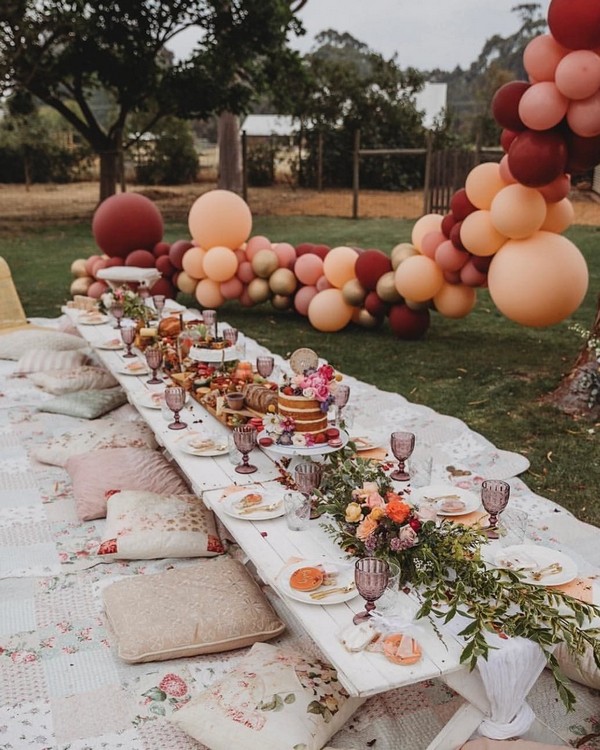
(23,657)
(408,537)
(172,684)
(426,513)
(374,500)
(322,393)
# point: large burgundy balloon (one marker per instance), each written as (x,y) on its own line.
(575,23)
(536,158)
(176,252)
(460,205)
(370,267)
(408,324)
(584,153)
(125,222)
(505,105)
(141,259)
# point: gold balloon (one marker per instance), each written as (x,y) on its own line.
(386,288)
(416,305)
(401,252)
(283,282)
(365,319)
(186,283)
(354,293)
(259,291)
(264,263)
(78,267)
(81,284)
(281,302)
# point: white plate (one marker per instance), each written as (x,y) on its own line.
(345,577)
(111,345)
(92,320)
(434,495)
(216,446)
(124,370)
(231,504)
(365,443)
(297,450)
(150,399)
(541,557)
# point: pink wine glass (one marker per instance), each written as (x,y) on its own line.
(265,365)
(371,576)
(402,444)
(231,336)
(494,498)
(128,334)
(175,396)
(244,437)
(308,478)
(159,304)
(209,318)
(340,399)
(117,310)
(154,358)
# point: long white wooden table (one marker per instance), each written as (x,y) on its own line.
(271,547)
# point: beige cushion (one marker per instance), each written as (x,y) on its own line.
(103,433)
(582,668)
(86,404)
(95,475)
(41,360)
(80,379)
(145,525)
(273,699)
(15,344)
(204,608)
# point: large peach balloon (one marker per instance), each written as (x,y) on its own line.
(419,278)
(538,281)
(186,283)
(455,300)
(424,225)
(559,216)
(542,106)
(283,282)
(193,262)
(308,268)
(583,116)
(338,265)
(483,183)
(220,263)
(578,74)
(542,56)
(208,293)
(518,211)
(479,235)
(328,311)
(220,217)
(303,298)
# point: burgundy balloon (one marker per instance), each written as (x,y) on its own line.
(125,222)
(584,153)
(452,277)
(536,158)
(375,305)
(112,262)
(460,205)
(176,252)
(575,23)
(141,259)
(304,247)
(506,138)
(557,189)
(321,250)
(448,222)
(481,262)
(164,265)
(161,248)
(408,324)
(370,267)
(164,286)
(505,105)
(455,236)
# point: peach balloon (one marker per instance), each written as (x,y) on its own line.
(286,254)
(220,263)
(245,272)
(259,291)
(232,288)
(419,278)
(78,268)
(479,235)
(323,283)
(338,265)
(583,116)
(193,262)
(303,298)
(505,173)
(483,183)
(430,243)
(186,283)
(449,257)
(424,225)
(538,281)
(455,300)
(80,285)
(518,211)
(264,263)
(308,268)
(89,262)
(328,312)
(578,74)
(208,293)
(542,56)
(283,282)
(256,243)
(220,217)
(542,106)
(559,216)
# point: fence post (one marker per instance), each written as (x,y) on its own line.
(427,179)
(320,162)
(244,166)
(355,173)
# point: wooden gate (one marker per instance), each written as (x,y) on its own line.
(445,173)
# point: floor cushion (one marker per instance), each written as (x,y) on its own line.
(579,668)
(95,475)
(41,360)
(144,525)
(80,379)
(210,606)
(86,404)
(273,700)
(15,344)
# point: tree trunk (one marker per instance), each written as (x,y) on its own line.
(109,173)
(230,153)
(578,392)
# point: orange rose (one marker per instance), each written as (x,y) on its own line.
(365,528)
(398,511)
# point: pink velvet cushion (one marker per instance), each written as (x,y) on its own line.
(97,473)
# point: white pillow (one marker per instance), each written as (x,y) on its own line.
(103,433)
(80,379)
(15,344)
(40,360)
(273,699)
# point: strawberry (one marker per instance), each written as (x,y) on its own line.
(320,438)
(287,390)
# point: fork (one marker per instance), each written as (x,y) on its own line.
(264,508)
(549,570)
(318,595)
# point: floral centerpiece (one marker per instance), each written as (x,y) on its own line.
(442,563)
(133,305)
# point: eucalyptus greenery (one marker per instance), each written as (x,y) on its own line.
(449,576)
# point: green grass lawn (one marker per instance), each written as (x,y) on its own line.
(483,369)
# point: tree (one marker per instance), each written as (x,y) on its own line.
(77,56)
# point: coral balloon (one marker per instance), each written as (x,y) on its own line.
(418,278)
(186,283)
(245,272)
(96,289)
(505,105)
(542,106)
(430,243)
(386,288)
(283,282)
(538,281)
(256,243)
(231,289)
(479,235)
(308,268)
(328,312)
(455,300)
(259,291)
(450,258)
(407,323)
(470,275)
(338,266)
(323,283)
(559,216)
(505,173)
(220,217)
(401,252)
(140,259)
(578,74)
(483,183)
(518,211)
(193,262)
(575,23)
(208,294)
(354,292)
(176,252)
(460,205)
(583,116)
(125,222)
(370,267)
(89,263)
(114,262)
(424,225)
(285,253)
(537,158)
(264,263)
(303,298)
(220,263)
(542,56)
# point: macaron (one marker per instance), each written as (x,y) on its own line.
(332,433)
(335,443)
(265,441)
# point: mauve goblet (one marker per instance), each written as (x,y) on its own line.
(128,334)
(244,437)
(231,335)
(340,399)
(402,444)
(175,396)
(159,304)
(154,358)
(117,311)
(494,498)
(371,577)
(308,477)
(265,365)
(209,318)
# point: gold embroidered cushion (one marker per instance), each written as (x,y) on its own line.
(146,525)
(80,379)
(15,344)
(273,700)
(210,606)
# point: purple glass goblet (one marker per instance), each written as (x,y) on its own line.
(128,334)
(265,365)
(402,444)
(308,477)
(371,577)
(231,335)
(175,396)
(159,304)
(494,498)
(154,358)
(209,318)
(117,310)
(340,399)
(244,437)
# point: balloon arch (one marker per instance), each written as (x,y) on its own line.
(503,231)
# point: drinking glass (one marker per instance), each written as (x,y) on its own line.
(371,577)
(231,335)
(265,365)
(154,358)
(159,304)
(244,437)
(175,396)
(297,510)
(117,310)
(308,477)
(128,334)
(209,318)
(340,399)
(494,498)
(403,444)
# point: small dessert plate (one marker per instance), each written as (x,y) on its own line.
(342,590)
(447,499)
(111,345)
(255,505)
(205,445)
